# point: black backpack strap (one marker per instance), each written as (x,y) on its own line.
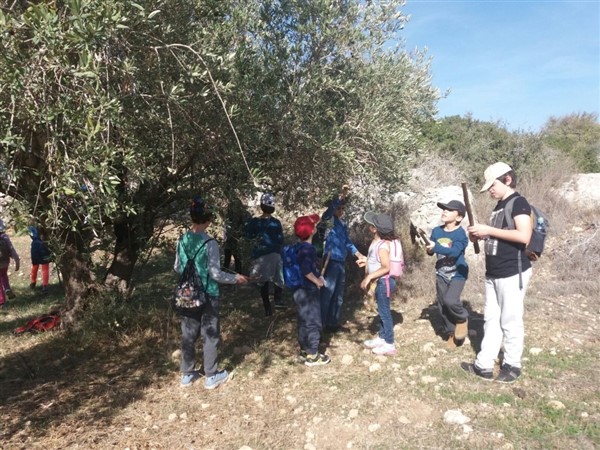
(194,259)
(510,222)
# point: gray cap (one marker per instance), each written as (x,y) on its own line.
(382,222)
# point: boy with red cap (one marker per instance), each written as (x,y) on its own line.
(306,296)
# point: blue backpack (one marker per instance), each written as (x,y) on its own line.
(292,277)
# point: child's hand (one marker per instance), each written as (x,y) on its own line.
(429,248)
(478,231)
(364,284)
(345,190)
(241,279)
(321,282)
(361,260)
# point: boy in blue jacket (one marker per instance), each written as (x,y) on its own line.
(448,243)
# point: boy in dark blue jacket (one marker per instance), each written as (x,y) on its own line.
(306,296)
(448,243)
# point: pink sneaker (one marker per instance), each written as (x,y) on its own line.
(385,349)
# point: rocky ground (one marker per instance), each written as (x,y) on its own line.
(122,390)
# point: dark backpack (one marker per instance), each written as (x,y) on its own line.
(190,292)
(292,277)
(540,225)
(4,249)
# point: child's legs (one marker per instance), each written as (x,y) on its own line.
(45,274)
(455,310)
(4,278)
(277,293)
(264,294)
(309,319)
(211,335)
(441,287)
(386,330)
(511,319)
(190,330)
(492,331)
(34,272)
(3,274)
(332,294)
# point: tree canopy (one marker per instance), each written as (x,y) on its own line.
(113,112)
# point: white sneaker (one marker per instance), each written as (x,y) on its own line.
(374,343)
(385,349)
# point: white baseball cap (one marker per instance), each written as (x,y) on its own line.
(493,172)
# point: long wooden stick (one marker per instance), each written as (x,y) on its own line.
(469,213)
(326,263)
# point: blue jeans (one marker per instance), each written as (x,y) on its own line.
(332,294)
(386,323)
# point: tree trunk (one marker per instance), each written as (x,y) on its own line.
(78,278)
(131,235)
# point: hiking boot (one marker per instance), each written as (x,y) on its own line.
(508,374)
(44,290)
(461,330)
(374,343)
(31,285)
(450,343)
(318,359)
(216,380)
(187,379)
(486,374)
(9,293)
(385,349)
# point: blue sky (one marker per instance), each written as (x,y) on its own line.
(516,61)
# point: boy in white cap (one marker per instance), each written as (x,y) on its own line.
(448,242)
(508,271)
(7,251)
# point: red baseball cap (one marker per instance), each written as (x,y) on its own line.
(305,225)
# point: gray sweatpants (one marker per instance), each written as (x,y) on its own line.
(449,303)
(207,325)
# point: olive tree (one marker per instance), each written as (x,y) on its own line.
(113,112)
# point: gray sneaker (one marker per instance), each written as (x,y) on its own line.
(486,374)
(508,374)
(216,380)
(187,379)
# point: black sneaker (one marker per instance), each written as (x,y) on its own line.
(317,360)
(279,305)
(508,374)
(302,356)
(482,373)
(31,285)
